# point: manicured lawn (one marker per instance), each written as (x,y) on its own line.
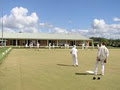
(25,69)
(1,51)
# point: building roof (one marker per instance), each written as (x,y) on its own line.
(43,36)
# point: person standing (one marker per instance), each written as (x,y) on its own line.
(49,45)
(102,56)
(98,46)
(74,52)
(26,45)
(83,46)
(53,46)
(31,45)
(38,45)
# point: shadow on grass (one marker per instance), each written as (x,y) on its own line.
(83,74)
(64,65)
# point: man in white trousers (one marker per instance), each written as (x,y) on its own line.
(102,56)
(74,56)
(38,45)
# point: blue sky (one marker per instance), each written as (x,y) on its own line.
(92,17)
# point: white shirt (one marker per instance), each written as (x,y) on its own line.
(74,51)
(53,46)
(38,44)
(103,52)
(83,45)
(98,46)
(26,45)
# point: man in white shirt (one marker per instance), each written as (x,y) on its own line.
(74,55)
(83,46)
(53,46)
(38,45)
(31,45)
(49,45)
(26,45)
(102,56)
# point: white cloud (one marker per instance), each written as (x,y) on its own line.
(8,30)
(60,30)
(45,25)
(53,29)
(18,20)
(114,26)
(100,29)
(98,24)
(116,19)
(30,30)
(79,31)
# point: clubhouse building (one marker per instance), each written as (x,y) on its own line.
(21,39)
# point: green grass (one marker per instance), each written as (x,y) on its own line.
(1,51)
(26,69)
